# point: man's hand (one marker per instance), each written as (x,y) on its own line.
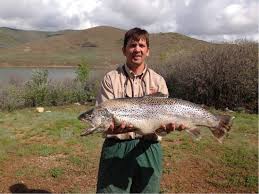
(170,127)
(123,128)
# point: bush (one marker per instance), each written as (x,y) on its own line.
(11,98)
(82,71)
(36,89)
(221,76)
(39,91)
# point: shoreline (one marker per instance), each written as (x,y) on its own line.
(34,66)
(51,66)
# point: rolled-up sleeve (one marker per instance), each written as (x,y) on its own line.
(162,88)
(106,90)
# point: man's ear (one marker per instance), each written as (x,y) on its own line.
(123,51)
(148,52)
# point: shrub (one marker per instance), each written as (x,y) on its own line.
(36,88)
(221,76)
(11,97)
(39,91)
(82,71)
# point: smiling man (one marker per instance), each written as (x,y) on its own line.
(129,162)
(136,50)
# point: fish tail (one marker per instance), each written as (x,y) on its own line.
(224,126)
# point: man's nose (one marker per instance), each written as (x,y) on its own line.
(137,48)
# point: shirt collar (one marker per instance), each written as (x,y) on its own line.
(132,74)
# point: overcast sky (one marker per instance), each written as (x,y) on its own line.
(204,19)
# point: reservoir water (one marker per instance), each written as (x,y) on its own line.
(24,74)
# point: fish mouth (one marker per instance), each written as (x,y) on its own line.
(86,116)
(86,131)
(83,118)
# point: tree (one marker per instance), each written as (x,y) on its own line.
(82,71)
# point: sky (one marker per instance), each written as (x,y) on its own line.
(210,20)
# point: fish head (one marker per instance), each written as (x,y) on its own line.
(97,117)
(86,116)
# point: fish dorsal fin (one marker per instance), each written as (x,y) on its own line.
(156,95)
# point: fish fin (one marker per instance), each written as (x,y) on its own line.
(156,95)
(88,131)
(195,132)
(224,126)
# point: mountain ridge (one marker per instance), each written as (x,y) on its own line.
(99,46)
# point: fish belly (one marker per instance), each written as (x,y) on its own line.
(146,122)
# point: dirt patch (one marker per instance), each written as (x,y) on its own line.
(194,176)
(187,176)
(15,175)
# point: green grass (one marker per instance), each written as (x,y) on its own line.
(75,160)
(233,164)
(42,150)
(7,143)
(56,172)
(29,170)
(54,138)
(246,123)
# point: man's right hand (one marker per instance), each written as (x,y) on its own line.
(123,128)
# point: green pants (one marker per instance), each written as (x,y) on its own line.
(130,166)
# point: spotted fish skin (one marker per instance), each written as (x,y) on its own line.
(148,113)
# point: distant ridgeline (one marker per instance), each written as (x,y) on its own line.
(100,46)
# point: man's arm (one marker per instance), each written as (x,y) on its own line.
(107,93)
(106,90)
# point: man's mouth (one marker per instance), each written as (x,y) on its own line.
(137,57)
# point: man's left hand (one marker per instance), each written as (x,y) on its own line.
(170,127)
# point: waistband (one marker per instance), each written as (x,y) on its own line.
(150,137)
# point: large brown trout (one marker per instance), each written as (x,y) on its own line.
(148,113)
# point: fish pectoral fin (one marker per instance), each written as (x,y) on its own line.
(195,132)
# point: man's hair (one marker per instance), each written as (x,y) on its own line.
(136,34)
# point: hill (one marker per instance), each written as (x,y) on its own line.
(10,37)
(100,46)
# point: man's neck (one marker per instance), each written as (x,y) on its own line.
(136,69)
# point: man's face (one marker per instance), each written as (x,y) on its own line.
(136,52)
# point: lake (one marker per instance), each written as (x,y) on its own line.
(24,74)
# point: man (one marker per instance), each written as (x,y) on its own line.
(129,162)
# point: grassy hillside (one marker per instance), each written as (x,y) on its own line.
(100,46)
(43,152)
(10,37)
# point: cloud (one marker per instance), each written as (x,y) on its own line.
(217,17)
(42,14)
(210,19)
(152,14)
(228,19)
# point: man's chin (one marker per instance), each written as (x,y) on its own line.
(136,63)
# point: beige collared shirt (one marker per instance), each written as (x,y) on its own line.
(122,82)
